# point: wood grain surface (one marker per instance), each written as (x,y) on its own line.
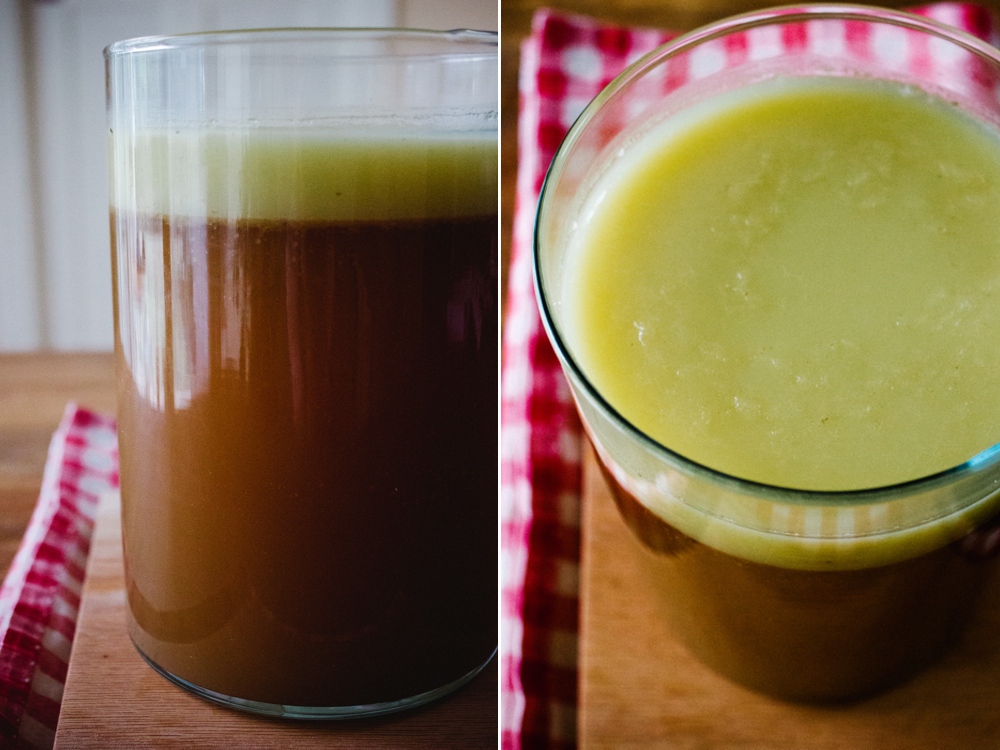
(113,699)
(34,391)
(639,687)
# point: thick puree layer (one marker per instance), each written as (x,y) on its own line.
(799,285)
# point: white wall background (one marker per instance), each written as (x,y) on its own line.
(55,273)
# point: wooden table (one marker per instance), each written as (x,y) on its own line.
(114,700)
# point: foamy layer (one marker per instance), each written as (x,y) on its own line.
(308,176)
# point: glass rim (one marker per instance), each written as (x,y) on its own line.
(468,43)
(977,464)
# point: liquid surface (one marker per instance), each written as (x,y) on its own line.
(285,175)
(800,285)
(308,436)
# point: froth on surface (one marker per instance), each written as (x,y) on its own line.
(307,176)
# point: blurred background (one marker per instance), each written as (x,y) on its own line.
(55,272)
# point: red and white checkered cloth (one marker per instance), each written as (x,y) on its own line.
(40,597)
(565,62)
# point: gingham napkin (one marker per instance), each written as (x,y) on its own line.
(565,62)
(40,596)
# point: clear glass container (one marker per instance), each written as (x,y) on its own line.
(806,595)
(304,247)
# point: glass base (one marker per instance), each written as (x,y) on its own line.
(318,712)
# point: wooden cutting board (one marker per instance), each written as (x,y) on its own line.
(639,688)
(113,699)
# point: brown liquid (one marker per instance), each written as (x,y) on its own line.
(308,453)
(807,635)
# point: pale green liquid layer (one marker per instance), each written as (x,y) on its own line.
(306,175)
(800,285)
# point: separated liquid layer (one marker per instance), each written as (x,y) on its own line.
(307,356)
(799,284)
